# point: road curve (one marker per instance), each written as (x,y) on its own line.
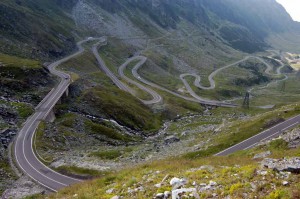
(106,70)
(197,98)
(263,136)
(214,73)
(23,148)
(156,98)
(193,99)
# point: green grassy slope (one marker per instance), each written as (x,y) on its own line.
(235,175)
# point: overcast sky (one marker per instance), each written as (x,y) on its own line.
(292,7)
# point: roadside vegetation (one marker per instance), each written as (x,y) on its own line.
(237,174)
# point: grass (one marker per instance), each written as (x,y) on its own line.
(238,131)
(13,61)
(139,93)
(296,66)
(122,107)
(234,173)
(74,170)
(5,172)
(42,145)
(275,94)
(99,129)
(24,110)
(83,64)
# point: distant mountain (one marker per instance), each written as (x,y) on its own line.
(48,28)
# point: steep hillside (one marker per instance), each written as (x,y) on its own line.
(218,47)
(46,29)
(23,84)
(36,29)
(244,24)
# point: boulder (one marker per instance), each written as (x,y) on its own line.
(178,192)
(285,183)
(110,191)
(167,194)
(159,196)
(171,139)
(177,183)
(290,165)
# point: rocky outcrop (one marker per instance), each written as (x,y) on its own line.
(293,138)
(290,165)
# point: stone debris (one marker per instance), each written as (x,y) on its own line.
(290,165)
(262,155)
(167,194)
(176,194)
(293,138)
(177,183)
(23,187)
(285,183)
(110,191)
(171,139)
(212,183)
(159,196)
(263,173)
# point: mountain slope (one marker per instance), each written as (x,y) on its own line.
(47,29)
(35,29)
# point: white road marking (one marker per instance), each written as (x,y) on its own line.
(256,135)
(35,118)
(290,126)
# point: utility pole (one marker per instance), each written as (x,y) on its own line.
(246,103)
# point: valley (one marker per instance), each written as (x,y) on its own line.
(121,99)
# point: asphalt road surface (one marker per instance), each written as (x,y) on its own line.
(34,168)
(106,70)
(156,98)
(265,135)
(24,153)
(192,99)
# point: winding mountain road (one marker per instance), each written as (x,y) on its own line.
(24,154)
(106,70)
(156,98)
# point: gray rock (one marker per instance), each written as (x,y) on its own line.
(171,139)
(177,183)
(293,138)
(262,155)
(167,194)
(290,165)
(177,192)
(110,191)
(285,183)
(212,183)
(116,197)
(159,196)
